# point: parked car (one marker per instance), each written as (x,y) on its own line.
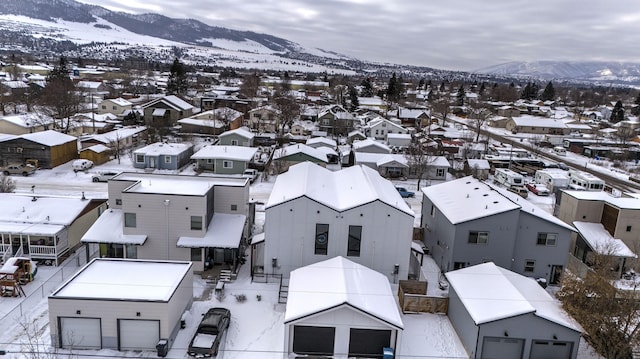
(404,193)
(24,170)
(537,188)
(206,341)
(81,165)
(251,174)
(103,176)
(519,190)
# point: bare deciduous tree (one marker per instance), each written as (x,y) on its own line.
(7,184)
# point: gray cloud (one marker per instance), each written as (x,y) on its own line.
(451,34)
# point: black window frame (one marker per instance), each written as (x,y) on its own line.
(354,242)
(476,236)
(128,217)
(321,239)
(192,222)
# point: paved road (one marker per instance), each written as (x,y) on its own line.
(613,181)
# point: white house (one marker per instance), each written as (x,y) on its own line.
(338,306)
(501,314)
(370,145)
(379,128)
(121,304)
(314,214)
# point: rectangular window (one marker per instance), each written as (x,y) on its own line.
(234,142)
(196,254)
(209,161)
(440,172)
(529,265)
(139,158)
(628,228)
(130,220)
(196,223)
(322,239)
(547,239)
(227,164)
(104,107)
(234,207)
(478,237)
(118,202)
(114,108)
(167,159)
(355,237)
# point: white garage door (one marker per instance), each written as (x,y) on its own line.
(547,349)
(138,334)
(80,333)
(498,348)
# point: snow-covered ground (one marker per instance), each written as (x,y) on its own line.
(256,330)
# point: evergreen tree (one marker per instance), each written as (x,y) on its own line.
(393,89)
(460,96)
(177,83)
(617,114)
(353,98)
(367,87)
(442,88)
(636,109)
(482,89)
(526,92)
(549,93)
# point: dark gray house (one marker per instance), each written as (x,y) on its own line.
(501,314)
(224,159)
(468,222)
(166,156)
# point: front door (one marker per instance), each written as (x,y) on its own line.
(152,162)
(556,274)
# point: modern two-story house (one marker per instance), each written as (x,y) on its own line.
(200,219)
(314,214)
(468,222)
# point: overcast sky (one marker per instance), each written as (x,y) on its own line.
(445,34)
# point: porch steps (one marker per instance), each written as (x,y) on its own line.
(225,275)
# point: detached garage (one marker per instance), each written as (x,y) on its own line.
(339,307)
(501,314)
(121,304)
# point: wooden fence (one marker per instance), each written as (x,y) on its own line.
(414,299)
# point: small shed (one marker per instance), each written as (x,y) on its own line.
(338,306)
(121,304)
(98,154)
(501,314)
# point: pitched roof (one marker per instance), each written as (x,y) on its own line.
(467,199)
(300,148)
(600,241)
(160,148)
(240,132)
(491,293)
(338,281)
(239,153)
(336,189)
(49,138)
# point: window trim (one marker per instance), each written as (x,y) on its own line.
(545,241)
(227,164)
(128,217)
(138,157)
(529,265)
(194,224)
(355,241)
(481,237)
(167,159)
(319,247)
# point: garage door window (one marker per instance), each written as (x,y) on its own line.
(313,340)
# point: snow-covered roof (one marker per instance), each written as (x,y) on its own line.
(466,199)
(99,148)
(242,131)
(532,209)
(213,123)
(175,184)
(338,281)
(108,228)
(27,120)
(224,231)
(300,148)
(48,138)
(534,121)
(116,135)
(336,189)
(125,279)
(480,164)
(166,149)
(359,145)
(399,136)
(120,101)
(159,112)
(49,210)
(491,293)
(237,153)
(321,141)
(620,202)
(600,241)
(173,101)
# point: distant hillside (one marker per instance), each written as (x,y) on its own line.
(587,71)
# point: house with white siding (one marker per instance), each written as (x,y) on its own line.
(314,214)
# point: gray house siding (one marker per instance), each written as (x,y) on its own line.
(237,167)
(528,327)
(462,323)
(545,256)
(240,140)
(160,161)
(163,235)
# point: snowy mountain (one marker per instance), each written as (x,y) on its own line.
(583,71)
